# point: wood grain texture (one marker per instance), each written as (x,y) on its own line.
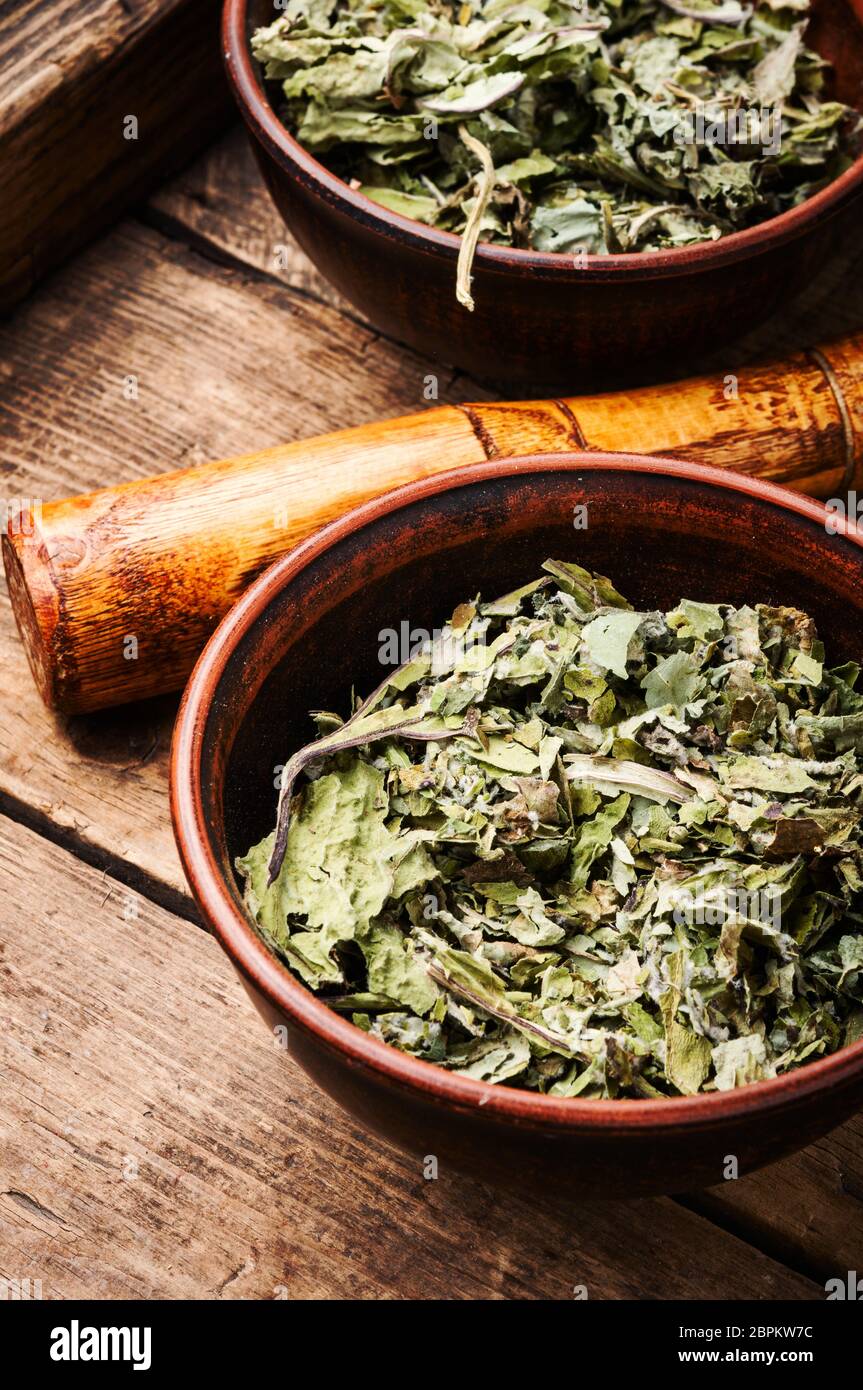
(164,562)
(158,562)
(220,205)
(139,305)
(142,356)
(98,783)
(161,1145)
(819,1193)
(71,73)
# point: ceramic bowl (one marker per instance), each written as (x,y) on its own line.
(540,322)
(308,629)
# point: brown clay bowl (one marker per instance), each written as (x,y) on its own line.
(540,322)
(307,630)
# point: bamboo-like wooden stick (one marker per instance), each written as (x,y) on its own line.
(116,593)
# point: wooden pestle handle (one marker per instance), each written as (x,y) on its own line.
(116,593)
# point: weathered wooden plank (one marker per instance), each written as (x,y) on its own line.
(143,306)
(143,356)
(221,202)
(138,357)
(829,307)
(807,1210)
(73,76)
(161,1145)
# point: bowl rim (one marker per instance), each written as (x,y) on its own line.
(297,162)
(295,1002)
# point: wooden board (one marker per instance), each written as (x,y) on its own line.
(219,205)
(72,73)
(167,303)
(161,1145)
(139,306)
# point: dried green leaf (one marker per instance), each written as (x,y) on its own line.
(595,852)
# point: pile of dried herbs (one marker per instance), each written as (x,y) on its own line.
(558,126)
(585,850)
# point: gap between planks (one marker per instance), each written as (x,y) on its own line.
(166,278)
(122,871)
(166,1148)
(708,1205)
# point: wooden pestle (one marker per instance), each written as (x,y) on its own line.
(116,593)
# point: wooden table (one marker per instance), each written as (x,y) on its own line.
(155,1144)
